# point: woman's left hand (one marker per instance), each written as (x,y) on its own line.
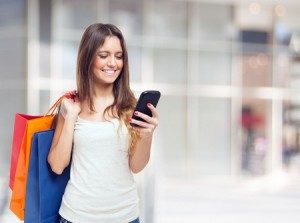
(147,127)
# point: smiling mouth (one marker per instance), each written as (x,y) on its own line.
(109,72)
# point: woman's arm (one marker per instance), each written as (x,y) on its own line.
(61,148)
(139,159)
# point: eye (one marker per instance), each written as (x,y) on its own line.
(102,56)
(119,57)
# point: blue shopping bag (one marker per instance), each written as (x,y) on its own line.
(44,188)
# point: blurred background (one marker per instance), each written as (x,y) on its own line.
(227,148)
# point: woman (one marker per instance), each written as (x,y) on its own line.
(94,129)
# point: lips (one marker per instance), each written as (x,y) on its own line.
(109,72)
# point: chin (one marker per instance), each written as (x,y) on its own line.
(101,79)
(111,81)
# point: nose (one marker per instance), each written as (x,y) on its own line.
(111,62)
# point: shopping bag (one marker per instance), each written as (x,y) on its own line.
(19,130)
(17,201)
(44,189)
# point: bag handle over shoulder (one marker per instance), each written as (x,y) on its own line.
(56,105)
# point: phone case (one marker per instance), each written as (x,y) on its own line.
(145,98)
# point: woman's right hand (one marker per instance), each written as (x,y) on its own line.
(70,108)
(61,149)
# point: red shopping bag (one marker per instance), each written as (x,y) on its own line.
(19,130)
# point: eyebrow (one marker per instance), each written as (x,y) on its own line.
(103,51)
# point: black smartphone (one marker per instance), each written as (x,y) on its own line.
(146,97)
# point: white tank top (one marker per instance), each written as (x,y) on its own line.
(101,188)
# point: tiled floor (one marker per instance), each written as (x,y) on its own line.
(223,200)
(262,200)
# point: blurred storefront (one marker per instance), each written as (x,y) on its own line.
(229,73)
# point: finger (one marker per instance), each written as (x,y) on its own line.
(140,123)
(153,110)
(148,119)
(71,94)
(68,94)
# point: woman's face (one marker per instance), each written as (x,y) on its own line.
(108,62)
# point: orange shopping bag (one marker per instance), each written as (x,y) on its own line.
(19,130)
(33,124)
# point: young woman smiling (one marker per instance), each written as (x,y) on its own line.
(93,132)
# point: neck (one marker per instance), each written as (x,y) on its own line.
(103,92)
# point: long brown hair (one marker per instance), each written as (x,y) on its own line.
(124,100)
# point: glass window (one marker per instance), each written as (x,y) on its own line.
(206,26)
(170,66)
(210,39)
(44,60)
(13,13)
(170,143)
(44,101)
(76,14)
(13,61)
(209,136)
(127,16)
(166,19)
(134,57)
(69,59)
(210,68)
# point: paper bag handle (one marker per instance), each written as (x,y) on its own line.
(55,106)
